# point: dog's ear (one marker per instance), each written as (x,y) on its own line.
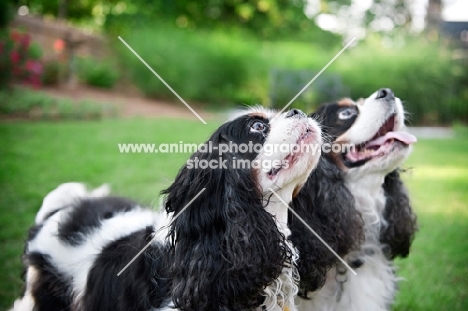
(398,234)
(328,207)
(226,248)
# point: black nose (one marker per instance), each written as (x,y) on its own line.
(295,112)
(357,263)
(386,94)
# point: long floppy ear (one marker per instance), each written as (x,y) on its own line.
(328,207)
(226,248)
(401,221)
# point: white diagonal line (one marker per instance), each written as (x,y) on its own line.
(149,243)
(314,78)
(315,233)
(162,80)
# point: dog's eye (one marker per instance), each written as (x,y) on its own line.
(346,113)
(258,127)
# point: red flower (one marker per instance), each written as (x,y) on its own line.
(15,36)
(33,66)
(15,57)
(29,65)
(59,45)
(25,40)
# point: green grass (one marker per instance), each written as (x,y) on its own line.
(36,157)
(436,271)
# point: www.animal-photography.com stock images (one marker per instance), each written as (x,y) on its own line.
(233,155)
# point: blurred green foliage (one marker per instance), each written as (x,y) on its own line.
(231,52)
(35,51)
(200,66)
(35,105)
(52,69)
(94,72)
(267,19)
(234,67)
(6,45)
(425,76)
(6,13)
(271,19)
(22,101)
(218,66)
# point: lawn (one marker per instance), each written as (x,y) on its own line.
(36,157)
(436,271)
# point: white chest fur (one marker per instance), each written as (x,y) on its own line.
(373,288)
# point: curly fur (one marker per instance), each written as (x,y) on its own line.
(328,207)
(228,238)
(398,234)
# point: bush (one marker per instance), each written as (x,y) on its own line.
(19,59)
(216,66)
(6,13)
(21,101)
(95,72)
(202,66)
(37,105)
(52,69)
(421,74)
(232,67)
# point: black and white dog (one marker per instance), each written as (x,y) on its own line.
(224,248)
(355,193)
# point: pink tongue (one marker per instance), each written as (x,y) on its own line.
(404,137)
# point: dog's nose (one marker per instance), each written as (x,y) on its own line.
(356,263)
(295,112)
(386,94)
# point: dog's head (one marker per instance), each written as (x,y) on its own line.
(374,142)
(269,139)
(371,133)
(375,126)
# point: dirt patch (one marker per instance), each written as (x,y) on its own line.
(130,105)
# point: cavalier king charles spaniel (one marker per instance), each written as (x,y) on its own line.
(356,201)
(221,243)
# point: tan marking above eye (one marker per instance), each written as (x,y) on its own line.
(258,114)
(346,102)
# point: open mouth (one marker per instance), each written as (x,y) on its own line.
(381,144)
(292,157)
(274,171)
